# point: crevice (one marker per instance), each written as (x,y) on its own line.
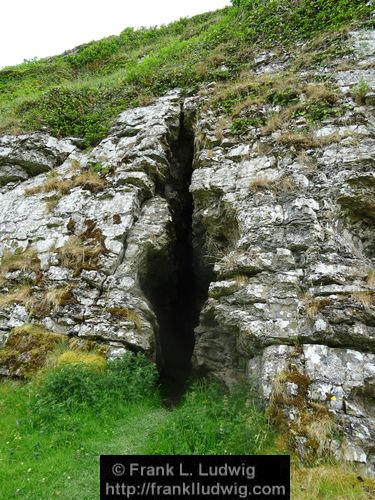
(170,279)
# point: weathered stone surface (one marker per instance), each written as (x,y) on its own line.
(119,224)
(341,380)
(293,256)
(25,156)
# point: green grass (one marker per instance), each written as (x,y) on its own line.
(79,93)
(63,460)
(209,421)
(54,427)
(51,439)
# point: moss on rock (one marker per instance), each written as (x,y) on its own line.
(310,429)
(27,349)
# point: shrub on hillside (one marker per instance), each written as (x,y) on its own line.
(67,388)
(290,19)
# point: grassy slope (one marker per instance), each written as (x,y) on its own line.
(62,462)
(55,452)
(80,92)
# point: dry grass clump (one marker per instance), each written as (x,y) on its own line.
(320,430)
(320,92)
(199,141)
(88,180)
(307,140)
(365,298)
(20,260)
(261,182)
(51,184)
(314,304)
(52,203)
(300,140)
(55,297)
(38,304)
(241,280)
(18,296)
(274,122)
(74,254)
(285,184)
(125,313)
(281,185)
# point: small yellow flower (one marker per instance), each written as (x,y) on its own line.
(333,398)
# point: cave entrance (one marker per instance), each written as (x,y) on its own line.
(170,281)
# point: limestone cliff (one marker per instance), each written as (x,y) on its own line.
(261,242)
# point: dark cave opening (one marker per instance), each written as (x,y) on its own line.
(171,279)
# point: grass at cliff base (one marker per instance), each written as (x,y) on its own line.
(54,428)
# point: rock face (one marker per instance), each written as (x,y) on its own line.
(26,156)
(270,257)
(291,235)
(92,241)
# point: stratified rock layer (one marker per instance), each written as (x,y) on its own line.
(290,231)
(92,240)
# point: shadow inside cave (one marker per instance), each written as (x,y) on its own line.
(172,280)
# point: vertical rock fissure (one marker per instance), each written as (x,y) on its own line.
(169,281)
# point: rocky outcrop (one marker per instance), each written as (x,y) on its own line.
(289,226)
(270,258)
(92,226)
(25,156)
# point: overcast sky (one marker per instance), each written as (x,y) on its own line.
(40,28)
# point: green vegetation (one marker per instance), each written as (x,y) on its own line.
(360,91)
(290,19)
(240,125)
(285,94)
(80,92)
(81,383)
(54,427)
(211,422)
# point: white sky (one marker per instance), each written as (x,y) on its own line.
(41,28)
